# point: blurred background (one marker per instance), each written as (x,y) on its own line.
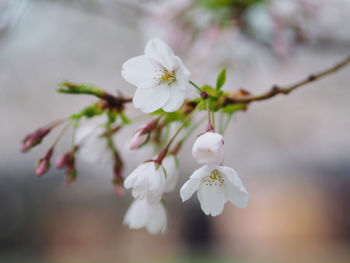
(292,152)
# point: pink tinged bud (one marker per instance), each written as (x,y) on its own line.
(118,187)
(140,137)
(64,160)
(34,139)
(44,163)
(118,180)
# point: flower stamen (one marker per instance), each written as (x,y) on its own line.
(168,77)
(215,178)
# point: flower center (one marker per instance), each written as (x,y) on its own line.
(214,179)
(168,77)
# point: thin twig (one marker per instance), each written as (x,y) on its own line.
(275,90)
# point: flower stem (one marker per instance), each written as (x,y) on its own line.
(165,150)
(178,146)
(59,136)
(227,123)
(196,86)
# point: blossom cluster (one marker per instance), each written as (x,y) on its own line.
(161,81)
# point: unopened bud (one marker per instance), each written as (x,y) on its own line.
(204,95)
(34,139)
(140,138)
(118,180)
(118,185)
(64,160)
(44,163)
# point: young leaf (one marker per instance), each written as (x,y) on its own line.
(73,88)
(221,79)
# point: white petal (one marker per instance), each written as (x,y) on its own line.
(212,199)
(158,220)
(143,214)
(131,179)
(209,149)
(176,98)
(140,71)
(161,52)
(137,215)
(234,189)
(149,100)
(191,186)
(182,73)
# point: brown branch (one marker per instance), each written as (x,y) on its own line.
(275,90)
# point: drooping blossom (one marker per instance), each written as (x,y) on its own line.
(147,181)
(142,213)
(161,78)
(215,186)
(209,149)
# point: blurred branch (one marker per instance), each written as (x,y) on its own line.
(276,89)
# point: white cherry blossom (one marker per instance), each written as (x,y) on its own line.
(215,185)
(172,173)
(161,78)
(209,149)
(141,214)
(146,181)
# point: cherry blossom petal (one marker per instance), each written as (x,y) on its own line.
(157,49)
(141,213)
(146,182)
(149,100)
(192,185)
(209,149)
(212,199)
(158,220)
(176,98)
(137,215)
(140,71)
(182,74)
(234,189)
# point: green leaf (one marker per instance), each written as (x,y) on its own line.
(221,79)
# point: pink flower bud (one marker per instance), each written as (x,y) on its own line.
(34,139)
(140,137)
(64,160)
(118,186)
(44,163)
